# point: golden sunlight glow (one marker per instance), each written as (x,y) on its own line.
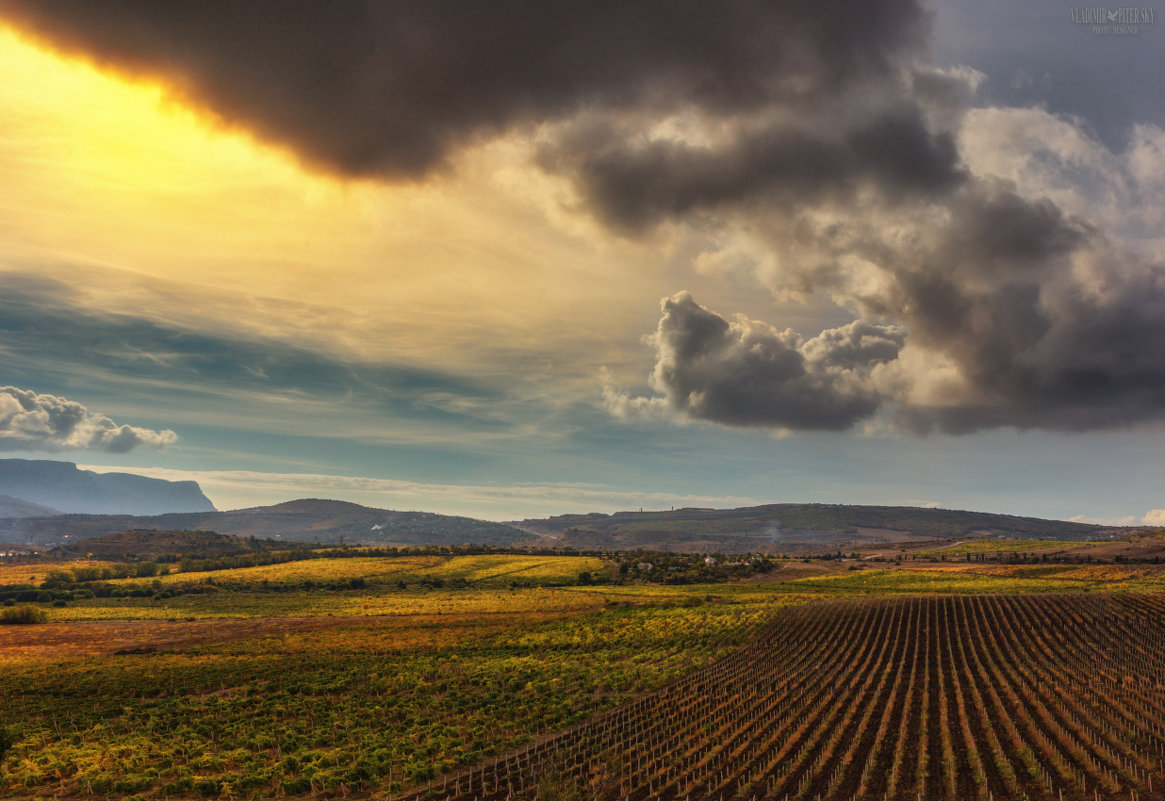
(111,172)
(124,132)
(147,207)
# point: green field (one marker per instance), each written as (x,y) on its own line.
(271,682)
(1000,546)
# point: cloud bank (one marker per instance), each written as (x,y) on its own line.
(1002,267)
(1029,292)
(30,421)
(746,373)
(375,89)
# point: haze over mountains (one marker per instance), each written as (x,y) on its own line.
(15,507)
(62,487)
(50,503)
(311,520)
(792,528)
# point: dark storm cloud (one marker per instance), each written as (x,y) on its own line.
(632,185)
(1057,355)
(746,373)
(391,88)
(1044,322)
(808,125)
(1049,322)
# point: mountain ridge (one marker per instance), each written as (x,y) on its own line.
(771,528)
(66,489)
(17,507)
(305,520)
(793,527)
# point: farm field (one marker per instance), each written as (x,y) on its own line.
(481,570)
(957,697)
(260,691)
(1000,546)
(275,682)
(1141,546)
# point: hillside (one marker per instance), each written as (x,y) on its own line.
(63,487)
(773,528)
(15,507)
(793,527)
(311,520)
(152,544)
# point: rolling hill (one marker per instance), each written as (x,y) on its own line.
(152,544)
(309,520)
(15,507)
(773,528)
(793,528)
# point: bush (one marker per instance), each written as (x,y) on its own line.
(20,615)
(7,740)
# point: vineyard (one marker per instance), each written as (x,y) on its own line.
(328,707)
(1056,696)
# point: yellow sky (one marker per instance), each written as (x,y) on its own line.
(150,208)
(488,270)
(107,173)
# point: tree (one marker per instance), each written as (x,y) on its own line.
(7,740)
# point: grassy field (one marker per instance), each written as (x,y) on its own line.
(1140,546)
(441,680)
(999,546)
(271,681)
(988,578)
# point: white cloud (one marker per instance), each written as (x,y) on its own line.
(1154,517)
(34,422)
(1127,520)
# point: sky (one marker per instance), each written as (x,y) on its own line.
(511,260)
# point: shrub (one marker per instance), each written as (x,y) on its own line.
(24,614)
(7,740)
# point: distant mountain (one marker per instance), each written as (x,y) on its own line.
(774,528)
(156,544)
(311,520)
(14,507)
(792,528)
(63,487)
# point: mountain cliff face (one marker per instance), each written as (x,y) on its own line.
(63,487)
